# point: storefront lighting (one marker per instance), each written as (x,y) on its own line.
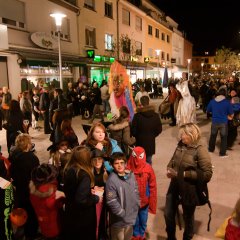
(58,21)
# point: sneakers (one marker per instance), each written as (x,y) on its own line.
(223,156)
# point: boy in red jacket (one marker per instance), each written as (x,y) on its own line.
(147,187)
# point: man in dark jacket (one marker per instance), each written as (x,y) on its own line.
(44,105)
(146,126)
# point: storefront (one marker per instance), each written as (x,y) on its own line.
(99,69)
(44,69)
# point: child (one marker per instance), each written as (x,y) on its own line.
(147,187)
(59,158)
(43,187)
(100,178)
(233,227)
(36,110)
(122,198)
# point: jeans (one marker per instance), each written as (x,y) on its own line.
(140,225)
(171,208)
(106,106)
(223,129)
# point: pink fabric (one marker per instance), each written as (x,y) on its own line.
(120,101)
(99,207)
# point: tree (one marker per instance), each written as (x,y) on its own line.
(227,60)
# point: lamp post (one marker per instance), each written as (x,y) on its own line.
(202,64)
(189,61)
(158,55)
(58,21)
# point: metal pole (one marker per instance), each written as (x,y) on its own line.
(60,60)
(158,70)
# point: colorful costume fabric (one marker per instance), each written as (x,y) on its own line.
(147,187)
(120,89)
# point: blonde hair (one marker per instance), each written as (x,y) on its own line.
(81,160)
(192,130)
(23,141)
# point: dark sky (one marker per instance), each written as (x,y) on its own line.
(208,24)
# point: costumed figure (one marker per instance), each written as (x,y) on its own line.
(147,187)
(120,89)
(186,112)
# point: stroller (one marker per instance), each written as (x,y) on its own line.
(164,109)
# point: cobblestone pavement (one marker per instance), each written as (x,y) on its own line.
(223,188)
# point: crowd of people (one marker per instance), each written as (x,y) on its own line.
(104,187)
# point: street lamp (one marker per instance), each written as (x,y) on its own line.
(158,55)
(58,21)
(202,64)
(189,61)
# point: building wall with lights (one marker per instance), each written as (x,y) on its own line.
(25,18)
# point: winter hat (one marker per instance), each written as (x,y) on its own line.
(44,173)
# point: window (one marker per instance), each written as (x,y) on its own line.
(126,17)
(108,42)
(12,13)
(168,57)
(138,48)
(126,45)
(138,23)
(149,29)
(163,36)
(73,2)
(157,33)
(163,56)
(108,10)
(168,38)
(90,36)
(65,29)
(90,4)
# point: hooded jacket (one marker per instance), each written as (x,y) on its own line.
(46,206)
(221,108)
(146,126)
(145,177)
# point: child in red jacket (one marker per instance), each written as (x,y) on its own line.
(233,227)
(147,187)
(43,189)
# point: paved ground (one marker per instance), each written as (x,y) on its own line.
(223,188)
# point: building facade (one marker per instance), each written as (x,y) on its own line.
(93,34)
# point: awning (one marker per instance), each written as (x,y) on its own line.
(47,58)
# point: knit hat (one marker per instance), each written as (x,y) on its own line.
(44,173)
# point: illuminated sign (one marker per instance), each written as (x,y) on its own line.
(98,58)
(90,53)
(147,59)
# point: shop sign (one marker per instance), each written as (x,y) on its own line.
(44,40)
(173,60)
(90,53)
(146,59)
(98,58)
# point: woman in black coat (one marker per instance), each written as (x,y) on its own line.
(14,123)
(80,206)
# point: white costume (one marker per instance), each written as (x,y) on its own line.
(186,112)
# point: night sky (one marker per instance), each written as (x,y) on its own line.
(208,24)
